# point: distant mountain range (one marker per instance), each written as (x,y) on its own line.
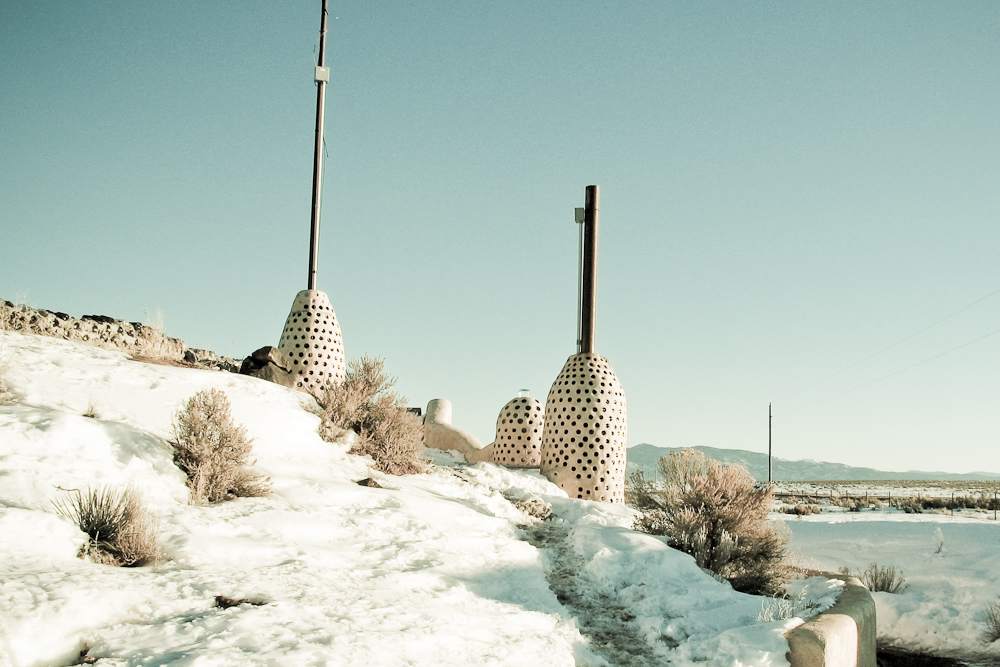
(644,457)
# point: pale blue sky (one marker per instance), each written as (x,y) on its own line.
(787,188)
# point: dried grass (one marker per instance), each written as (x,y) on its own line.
(365,404)
(715,513)
(122,532)
(214,452)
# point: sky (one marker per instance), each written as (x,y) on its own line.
(787,188)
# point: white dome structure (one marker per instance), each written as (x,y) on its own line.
(312,343)
(518,443)
(583,443)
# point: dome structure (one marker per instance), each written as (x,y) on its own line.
(583,441)
(312,343)
(518,443)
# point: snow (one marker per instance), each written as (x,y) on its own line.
(436,569)
(940,609)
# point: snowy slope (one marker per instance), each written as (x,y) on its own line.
(430,570)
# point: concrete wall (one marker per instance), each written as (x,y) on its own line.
(841,636)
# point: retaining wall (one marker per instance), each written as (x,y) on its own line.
(841,636)
(132,338)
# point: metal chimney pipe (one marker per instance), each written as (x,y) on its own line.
(317,189)
(588,272)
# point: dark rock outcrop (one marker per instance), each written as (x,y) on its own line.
(268,363)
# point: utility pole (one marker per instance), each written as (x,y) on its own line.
(322,76)
(768,444)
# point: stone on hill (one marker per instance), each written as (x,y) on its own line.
(268,363)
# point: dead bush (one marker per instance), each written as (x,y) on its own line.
(535,507)
(225,602)
(363,403)
(5,366)
(120,529)
(910,505)
(717,514)
(214,452)
(802,510)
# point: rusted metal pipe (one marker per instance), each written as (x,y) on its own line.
(588,277)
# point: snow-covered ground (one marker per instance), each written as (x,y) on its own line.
(951,565)
(430,570)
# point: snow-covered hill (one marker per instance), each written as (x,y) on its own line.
(435,569)
(644,457)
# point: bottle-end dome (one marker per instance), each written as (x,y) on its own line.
(583,442)
(518,442)
(312,343)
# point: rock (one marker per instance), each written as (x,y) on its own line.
(103,319)
(190,357)
(273,373)
(268,354)
(267,364)
(370,483)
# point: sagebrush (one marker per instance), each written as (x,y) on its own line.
(214,452)
(120,529)
(716,513)
(365,404)
(802,510)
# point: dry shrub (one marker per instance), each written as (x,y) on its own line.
(226,602)
(5,366)
(993,622)
(535,507)
(386,430)
(910,505)
(122,532)
(214,452)
(802,510)
(717,514)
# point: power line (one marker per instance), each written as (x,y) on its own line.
(861,386)
(902,340)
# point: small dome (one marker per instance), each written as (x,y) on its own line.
(518,443)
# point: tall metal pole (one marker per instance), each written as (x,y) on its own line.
(322,76)
(768,443)
(588,281)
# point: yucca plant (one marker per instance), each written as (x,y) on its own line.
(120,529)
(878,578)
